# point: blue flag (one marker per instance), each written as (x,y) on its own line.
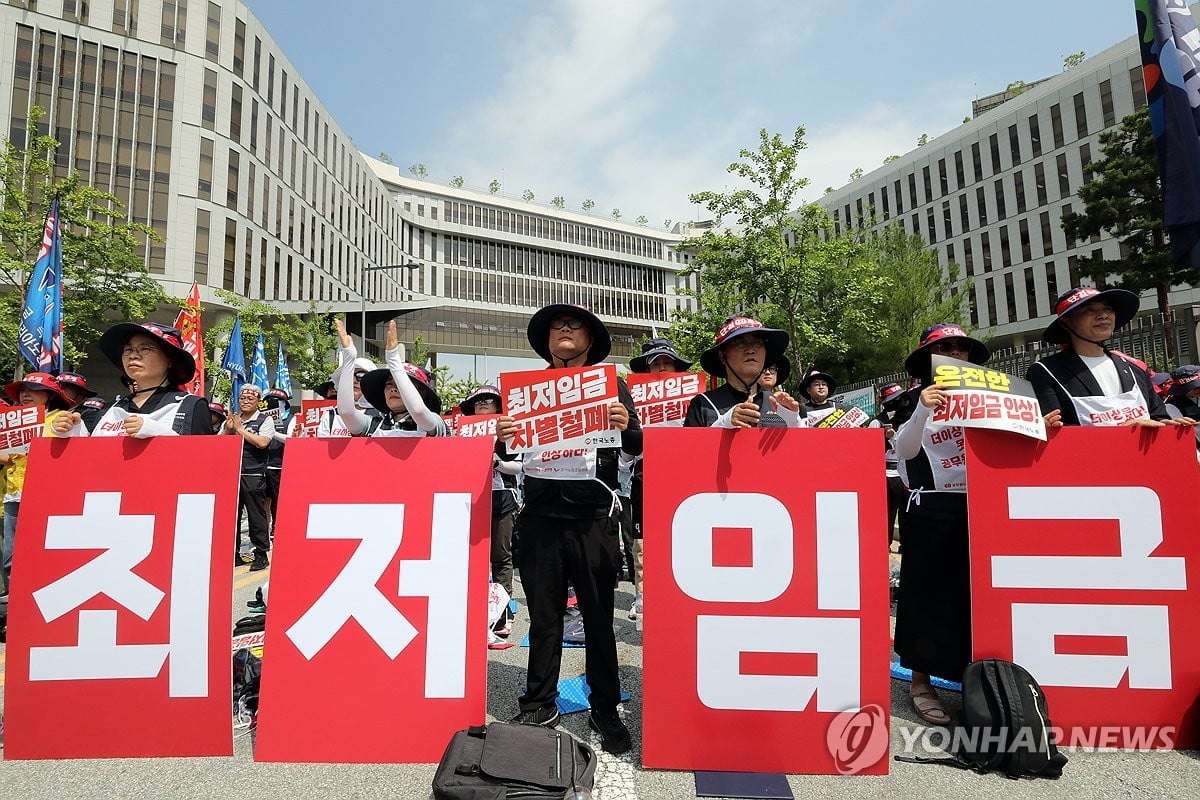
(283,374)
(258,367)
(1170,60)
(234,360)
(40,336)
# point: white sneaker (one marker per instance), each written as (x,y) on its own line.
(635,610)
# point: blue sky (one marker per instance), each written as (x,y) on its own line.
(637,103)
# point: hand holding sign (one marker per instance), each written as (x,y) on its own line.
(779,398)
(618,415)
(933,396)
(64,422)
(745,415)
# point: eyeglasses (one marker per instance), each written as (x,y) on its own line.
(571,323)
(358,376)
(950,346)
(750,342)
(772,370)
(140,352)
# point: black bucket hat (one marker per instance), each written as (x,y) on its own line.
(655,348)
(485,392)
(538,332)
(917,363)
(777,342)
(183,366)
(1124,302)
(783,369)
(373,382)
(816,374)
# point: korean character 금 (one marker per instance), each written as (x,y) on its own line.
(29,415)
(595,383)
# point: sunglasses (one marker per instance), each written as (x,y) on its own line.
(950,346)
(570,323)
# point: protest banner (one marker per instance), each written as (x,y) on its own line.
(978,397)
(472,426)
(19,426)
(119,611)
(309,418)
(846,417)
(662,398)
(770,600)
(858,398)
(561,409)
(1085,570)
(378,626)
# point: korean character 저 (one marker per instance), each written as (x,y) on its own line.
(570,423)
(654,391)
(546,429)
(974,377)
(595,383)
(542,395)
(998,381)
(948,375)
(595,418)
(517,402)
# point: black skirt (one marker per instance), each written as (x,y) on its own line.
(933,604)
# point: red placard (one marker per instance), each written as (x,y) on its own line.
(378,627)
(1085,570)
(767,648)
(121,599)
(309,418)
(19,426)
(661,398)
(475,425)
(561,408)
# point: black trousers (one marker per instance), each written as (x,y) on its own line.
(502,557)
(252,498)
(273,476)
(585,552)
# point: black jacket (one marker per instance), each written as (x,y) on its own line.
(1078,380)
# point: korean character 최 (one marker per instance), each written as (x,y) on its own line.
(517,402)
(638,393)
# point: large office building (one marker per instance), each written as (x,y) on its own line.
(990,195)
(193,117)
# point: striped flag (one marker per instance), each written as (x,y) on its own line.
(283,374)
(1171,65)
(258,367)
(40,336)
(188,323)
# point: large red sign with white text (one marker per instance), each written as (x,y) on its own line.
(768,584)
(121,599)
(1085,570)
(378,627)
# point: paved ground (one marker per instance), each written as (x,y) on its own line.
(1089,775)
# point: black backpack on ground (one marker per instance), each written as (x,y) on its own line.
(501,761)
(1005,724)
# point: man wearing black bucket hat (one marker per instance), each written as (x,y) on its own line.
(154,363)
(742,351)
(817,386)
(1086,383)
(568,531)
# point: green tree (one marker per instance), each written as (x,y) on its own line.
(642,220)
(385,158)
(923,140)
(1016,87)
(457,181)
(1073,60)
(667,223)
(419,172)
(494,186)
(527,195)
(890,159)
(856,174)
(308,340)
(559,201)
(783,266)
(616,213)
(1124,199)
(104,271)
(588,204)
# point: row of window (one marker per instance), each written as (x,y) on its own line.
(1032,280)
(500,257)
(532,225)
(866,209)
(512,290)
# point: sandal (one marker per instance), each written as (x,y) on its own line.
(929,707)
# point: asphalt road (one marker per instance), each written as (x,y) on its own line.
(1105,774)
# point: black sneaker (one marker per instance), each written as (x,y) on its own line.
(614,736)
(547,716)
(259,563)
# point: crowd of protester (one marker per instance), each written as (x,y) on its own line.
(580,535)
